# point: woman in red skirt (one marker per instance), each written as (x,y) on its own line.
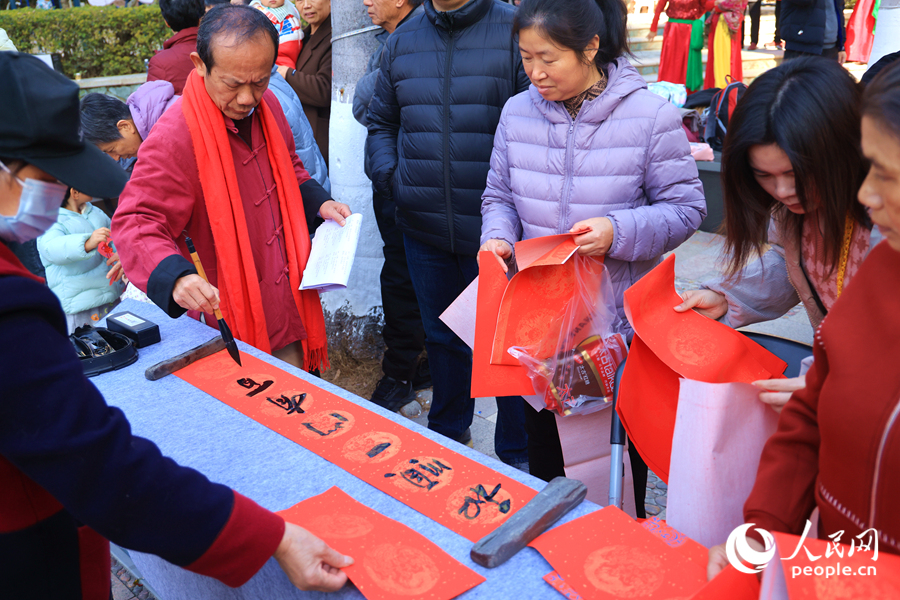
(681,60)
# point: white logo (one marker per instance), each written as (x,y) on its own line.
(737,548)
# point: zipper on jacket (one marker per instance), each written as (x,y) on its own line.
(447,195)
(873,502)
(567,182)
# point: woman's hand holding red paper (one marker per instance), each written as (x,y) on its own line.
(501,250)
(778,391)
(706,302)
(309,563)
(594,236)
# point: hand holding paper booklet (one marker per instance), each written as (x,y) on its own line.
(332,254)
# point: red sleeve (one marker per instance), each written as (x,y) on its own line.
(660,6)
(249,538)
(158,202)
(154,70)
(783,495)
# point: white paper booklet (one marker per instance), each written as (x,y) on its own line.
(332,254)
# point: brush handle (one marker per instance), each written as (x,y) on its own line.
(196,258)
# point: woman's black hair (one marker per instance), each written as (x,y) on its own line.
(810,108)
(573,24)
(99,115)
(881,100)
(66,197)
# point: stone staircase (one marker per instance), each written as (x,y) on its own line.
(646,53)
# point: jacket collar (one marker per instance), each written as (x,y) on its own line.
(11,265)
(624,80)
(469,14)
(185,36)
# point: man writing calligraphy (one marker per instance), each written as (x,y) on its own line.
(220,167)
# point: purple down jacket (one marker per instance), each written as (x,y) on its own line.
(624,157)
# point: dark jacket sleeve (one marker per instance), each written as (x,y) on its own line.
(362,97)
(57,429)
(384,126)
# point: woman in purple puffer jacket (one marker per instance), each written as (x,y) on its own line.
(587,148)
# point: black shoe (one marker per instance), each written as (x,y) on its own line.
(465,438)
(422,377)
(393,394)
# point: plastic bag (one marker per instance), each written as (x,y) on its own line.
(578,377)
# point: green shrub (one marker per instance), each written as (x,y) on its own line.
(93,41)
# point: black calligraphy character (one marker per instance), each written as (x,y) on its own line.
(246,382)
(435,467)
(376,450)
(481,497)
(341,419)
(418,479)
(291,405)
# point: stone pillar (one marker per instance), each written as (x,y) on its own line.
(354,317)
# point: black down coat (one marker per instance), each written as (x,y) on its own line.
(444,79)
(803,24)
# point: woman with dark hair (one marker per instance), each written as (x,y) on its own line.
(837,446)
(789,186)
(587,149)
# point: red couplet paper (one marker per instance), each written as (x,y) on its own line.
(825,570)
(668,345)
(457,492)
(559,584)
(552,249)
(730,584)
(489,379)
(606,555)
(390,560)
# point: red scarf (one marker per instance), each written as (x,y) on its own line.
(242,303)
(11,265)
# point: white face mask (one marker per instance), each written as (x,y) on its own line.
(38,209)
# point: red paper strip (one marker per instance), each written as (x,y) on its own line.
(693,551)
(849,577)
(390,559)
(559,584)
(488,379)
(606,555)
(531,303)
(730,584)
(667,345)
(457,492)
(561,246)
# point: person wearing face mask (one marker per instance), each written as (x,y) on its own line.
(87,282)
(789,190)
(72,475)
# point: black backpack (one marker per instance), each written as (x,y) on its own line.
(720,110)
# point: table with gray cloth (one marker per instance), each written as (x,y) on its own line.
(201,432)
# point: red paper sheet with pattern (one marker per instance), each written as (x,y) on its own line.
(457,492)
(668,345)
(606,555)
(390,559)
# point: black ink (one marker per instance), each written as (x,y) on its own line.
(435,467)
(246,382)
(337,426)
(390,474)
(418,479)
(376,450)
(481,497)
(291,405)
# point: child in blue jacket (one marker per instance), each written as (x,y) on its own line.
(87,283)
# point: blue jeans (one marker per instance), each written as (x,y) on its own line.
(438,277)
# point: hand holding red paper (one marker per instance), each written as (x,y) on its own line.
(593,236)
(309,563)
(500,249)
(706,302)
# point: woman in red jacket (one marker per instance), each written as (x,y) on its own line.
(837,446)
(681,58)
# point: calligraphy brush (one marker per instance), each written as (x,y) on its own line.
(230,344)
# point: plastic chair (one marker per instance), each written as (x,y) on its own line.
(790,351)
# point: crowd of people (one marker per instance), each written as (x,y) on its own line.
(488,124)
